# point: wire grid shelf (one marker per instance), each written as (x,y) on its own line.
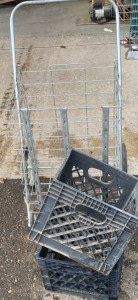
(70,97)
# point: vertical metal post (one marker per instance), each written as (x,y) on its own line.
(119,77)
(115,118)
(25,179)
(55,111)
(86,104)
(22,87)
(105,146)
(31,148)
(105,133)
(65,131)
(25,152)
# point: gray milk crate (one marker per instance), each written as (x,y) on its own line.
(66,276)
(85,217)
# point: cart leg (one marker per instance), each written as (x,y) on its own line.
(105,146)
(124,158)
(65,130)
(30,216)
(31,148)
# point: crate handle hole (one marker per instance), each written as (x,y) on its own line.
(100,175)
(90,213)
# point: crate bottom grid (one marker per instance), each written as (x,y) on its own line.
(63,275)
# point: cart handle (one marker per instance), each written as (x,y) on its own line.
(54,1)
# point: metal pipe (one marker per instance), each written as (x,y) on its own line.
(119,75)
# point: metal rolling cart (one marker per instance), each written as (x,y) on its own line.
(64,106)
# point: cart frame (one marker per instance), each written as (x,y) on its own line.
(24,118)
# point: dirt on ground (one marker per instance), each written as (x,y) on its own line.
(20,275)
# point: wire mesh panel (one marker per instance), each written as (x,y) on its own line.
(63,275)
(64,106)
(81,226)
(83,93)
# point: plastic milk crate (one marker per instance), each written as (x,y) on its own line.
(85,217)
(66,276)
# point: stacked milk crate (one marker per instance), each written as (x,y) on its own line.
(84,226)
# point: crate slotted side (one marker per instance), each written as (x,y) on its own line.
(63,275)
(64,223)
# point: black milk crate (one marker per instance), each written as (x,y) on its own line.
(84,217)
(66,276)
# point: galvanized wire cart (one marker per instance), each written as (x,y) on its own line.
(64,106)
